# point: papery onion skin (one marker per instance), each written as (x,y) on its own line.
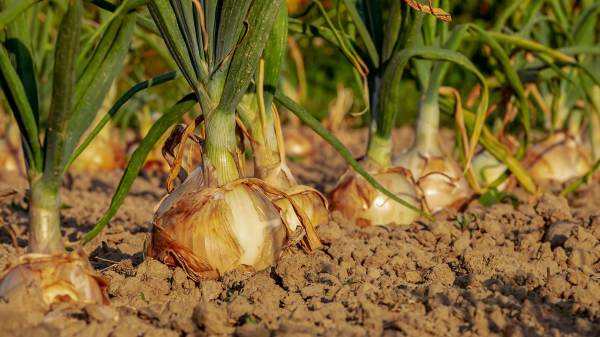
(311,201)
(432,172)
(216,229)
(61,277)
(559,158)
(362,204)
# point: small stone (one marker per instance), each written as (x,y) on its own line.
(558,233)
(520,292)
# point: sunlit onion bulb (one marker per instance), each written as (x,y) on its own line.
(61,277)
(487,169)
(9,160)
(557,159)
(102,154)
(363,205)
(11,152)
(432,172)
(211,230)
(296,143)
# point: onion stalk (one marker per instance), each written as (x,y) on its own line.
(218,220)
(59,276)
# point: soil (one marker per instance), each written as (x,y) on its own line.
(528,272)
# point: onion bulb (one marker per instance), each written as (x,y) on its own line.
(209,230)
(102,154)
(487,169)
(559,158)
(437,177)
(61,277)
(363,205)
(11,152)
(297,144)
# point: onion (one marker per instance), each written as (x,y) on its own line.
(312,202)
(209,230)
(487,169)
(363,205)
(437,176)
(559,158)
(102,154)
(11,159)
(297,144)
(11,152)
(61,277)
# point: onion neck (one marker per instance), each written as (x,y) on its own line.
(221,145)
(380,150)
(428,124)
(44,217)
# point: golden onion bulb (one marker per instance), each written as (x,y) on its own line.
(312,202)
(11,159)
(487,169)
(102,154)
(297,144)
(363,205)
(210,230)
(435,175)
(61,277)
(557,159)
(11,152)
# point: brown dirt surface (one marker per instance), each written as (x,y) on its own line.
(534,271)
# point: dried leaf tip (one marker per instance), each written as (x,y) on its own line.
(437,12)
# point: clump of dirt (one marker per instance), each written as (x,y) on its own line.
(531,271)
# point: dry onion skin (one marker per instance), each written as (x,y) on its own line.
(559,158)
(438,177)
(209,230)
(61,277)
(312,202)
(363,205)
